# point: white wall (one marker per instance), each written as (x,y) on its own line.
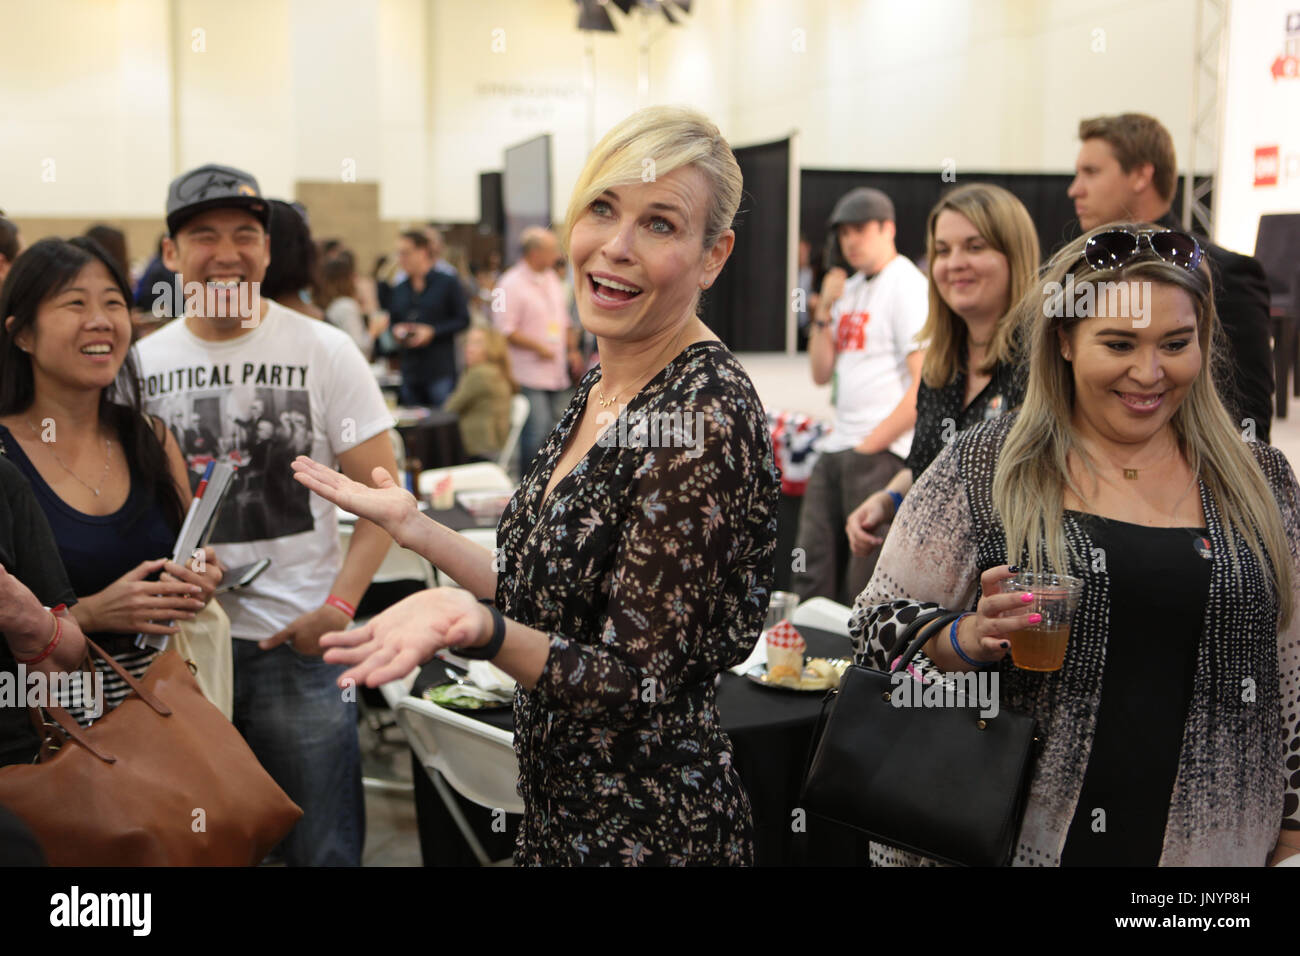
(84,101)
(991,84)
(423,95)
(1260,111)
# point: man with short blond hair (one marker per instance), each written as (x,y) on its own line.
(1127,171)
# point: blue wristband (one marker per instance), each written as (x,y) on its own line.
(896,498)
(952,636)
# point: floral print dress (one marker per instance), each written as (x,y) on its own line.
(650,565)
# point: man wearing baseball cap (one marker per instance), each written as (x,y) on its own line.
(235,356)
(862,340)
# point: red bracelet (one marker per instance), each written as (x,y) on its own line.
(49,648)
(335,601)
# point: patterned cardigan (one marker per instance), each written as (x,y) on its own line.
(1238,777)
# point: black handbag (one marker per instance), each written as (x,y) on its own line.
(941,781)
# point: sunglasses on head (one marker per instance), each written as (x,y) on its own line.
(1115,247)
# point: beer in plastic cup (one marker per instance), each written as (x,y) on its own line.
(1041,646)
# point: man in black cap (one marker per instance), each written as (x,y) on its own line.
(232,352)
(862,339)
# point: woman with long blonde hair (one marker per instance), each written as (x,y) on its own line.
(1176,708)
(482,396)
(983,254)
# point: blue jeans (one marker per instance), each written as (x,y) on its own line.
(292,713)
(545,409)
(431,393)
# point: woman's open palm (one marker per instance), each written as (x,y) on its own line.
(386,504)
(407,635)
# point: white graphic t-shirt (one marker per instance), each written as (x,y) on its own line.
(292,386)
(875,324)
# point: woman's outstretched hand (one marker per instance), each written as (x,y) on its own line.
(387,504)
(407,635)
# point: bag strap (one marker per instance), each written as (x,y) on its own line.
(71,729)
(158,706)
(928,623)
(916,634)
(75,732)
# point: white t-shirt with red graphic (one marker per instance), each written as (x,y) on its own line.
(875,324)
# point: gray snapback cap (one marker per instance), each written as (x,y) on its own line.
(863,204)
(212,187)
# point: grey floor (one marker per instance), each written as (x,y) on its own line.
(391,836)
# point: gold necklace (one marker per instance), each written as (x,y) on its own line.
(1130,474)
(604,402)
(108,447)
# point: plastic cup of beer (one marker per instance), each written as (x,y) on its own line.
(1041,646)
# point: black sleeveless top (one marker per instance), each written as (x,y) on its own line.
(98,549)
(1159,585)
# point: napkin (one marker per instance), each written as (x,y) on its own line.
(757,656)
(485,675)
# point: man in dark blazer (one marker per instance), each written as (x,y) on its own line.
(1127,171)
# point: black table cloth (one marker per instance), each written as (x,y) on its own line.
(458,519)
(770,730)
(433,439)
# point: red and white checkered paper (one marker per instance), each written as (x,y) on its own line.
(784,635)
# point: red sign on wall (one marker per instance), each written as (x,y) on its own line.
(1267,164)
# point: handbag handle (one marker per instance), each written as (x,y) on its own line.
(159,707)
(72,730)
(916,634)
(928,624)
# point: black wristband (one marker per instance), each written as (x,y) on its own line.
(493,647)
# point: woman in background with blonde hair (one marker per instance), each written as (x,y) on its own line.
(982,251)
(1175,712)
(637,563)
(482,396)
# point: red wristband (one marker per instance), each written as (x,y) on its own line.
(49,648)
(335,601)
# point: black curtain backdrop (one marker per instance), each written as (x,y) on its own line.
(914,195)
(747,306)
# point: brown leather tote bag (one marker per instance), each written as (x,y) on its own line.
(163,779)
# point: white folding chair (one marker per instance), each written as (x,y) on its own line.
(823,614)
(519,409)
(399,564)
(476,759)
